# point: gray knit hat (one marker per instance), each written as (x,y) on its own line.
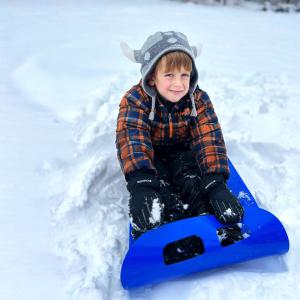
(157,45)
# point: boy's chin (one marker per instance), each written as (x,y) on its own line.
(174,99)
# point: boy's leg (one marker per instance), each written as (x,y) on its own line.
(185,168)
(173,206)
(187,178)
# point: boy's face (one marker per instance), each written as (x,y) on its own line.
(171,85)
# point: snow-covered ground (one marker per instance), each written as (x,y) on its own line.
(63,208)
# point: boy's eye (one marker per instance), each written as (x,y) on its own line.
(170,75)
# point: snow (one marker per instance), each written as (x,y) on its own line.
(63,208)
(185,206)
(155,216)
(228,212)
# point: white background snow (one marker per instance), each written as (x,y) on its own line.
(63,207)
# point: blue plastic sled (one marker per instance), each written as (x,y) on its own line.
(264,235)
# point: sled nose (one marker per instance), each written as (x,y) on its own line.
(264,235)
(145,264)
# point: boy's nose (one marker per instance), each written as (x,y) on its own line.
(178,81)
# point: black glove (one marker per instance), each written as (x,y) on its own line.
(225,205)
(145,206)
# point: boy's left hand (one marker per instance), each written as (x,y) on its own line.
(225,205)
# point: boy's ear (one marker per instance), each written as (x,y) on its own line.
(151,80)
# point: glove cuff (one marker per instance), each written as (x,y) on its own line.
(210,181)
(140,172)
(143,181)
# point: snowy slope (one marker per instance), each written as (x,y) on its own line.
(64,77)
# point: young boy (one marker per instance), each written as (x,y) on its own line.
(169,141)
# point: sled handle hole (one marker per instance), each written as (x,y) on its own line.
(183,249)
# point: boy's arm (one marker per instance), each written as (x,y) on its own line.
(133,140)
(207,142)
(135,154)
(209,148)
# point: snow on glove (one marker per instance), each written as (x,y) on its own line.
(225,205)
(145,206)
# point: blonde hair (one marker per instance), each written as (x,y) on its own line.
(174,61)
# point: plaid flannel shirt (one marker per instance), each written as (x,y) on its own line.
(136,134)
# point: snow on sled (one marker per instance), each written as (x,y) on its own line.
(146,261)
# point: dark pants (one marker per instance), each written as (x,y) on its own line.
(175,167)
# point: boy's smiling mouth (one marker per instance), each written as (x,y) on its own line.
(176,91)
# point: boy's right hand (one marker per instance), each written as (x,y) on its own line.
(145,206)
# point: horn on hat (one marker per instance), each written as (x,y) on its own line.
(128,52)
(197,50)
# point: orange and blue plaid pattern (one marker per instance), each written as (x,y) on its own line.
(136,134)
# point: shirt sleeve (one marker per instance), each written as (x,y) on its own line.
(207,142)
(133,138)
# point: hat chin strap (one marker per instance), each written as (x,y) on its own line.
(194,111)
(151,116)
